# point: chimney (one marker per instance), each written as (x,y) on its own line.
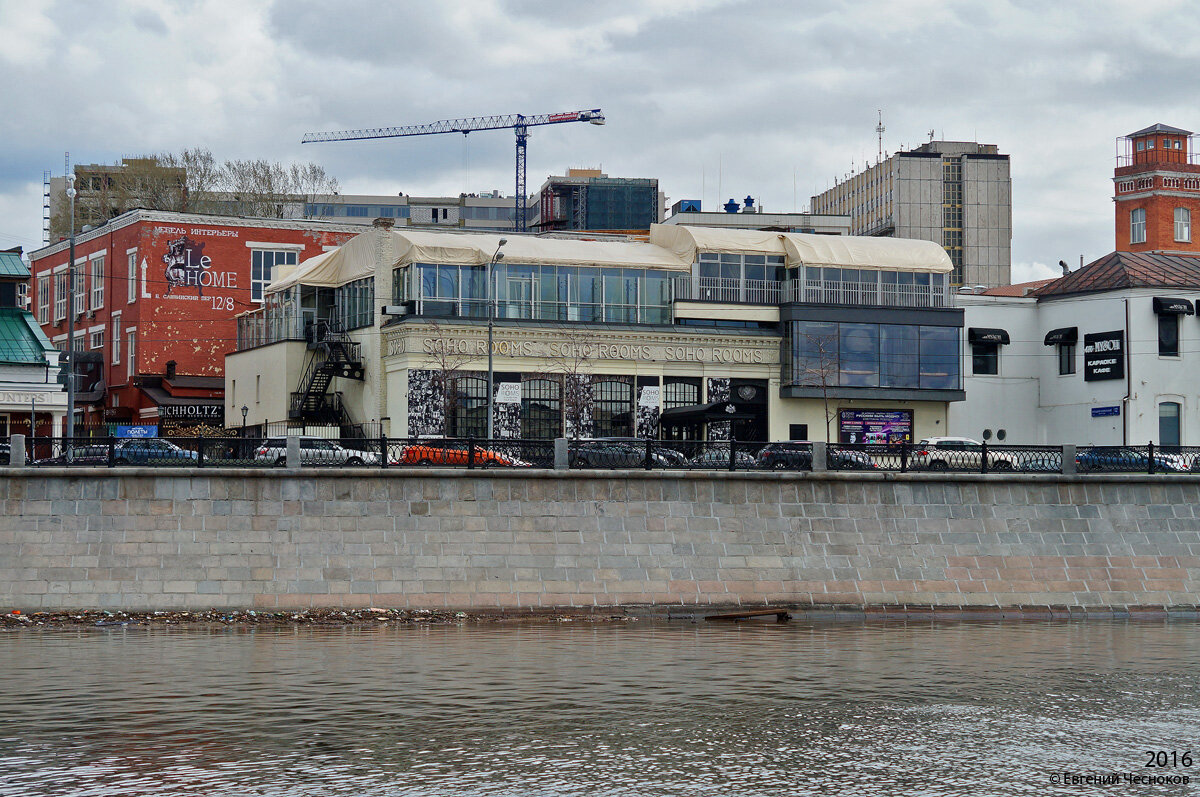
(171,369)
(383,223)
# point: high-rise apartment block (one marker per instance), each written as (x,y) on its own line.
(1157,191)
(954,193)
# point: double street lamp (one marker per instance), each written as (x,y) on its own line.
(71,318)
(491,311)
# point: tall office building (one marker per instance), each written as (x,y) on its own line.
(954,193)
(587,199)
(1157,186)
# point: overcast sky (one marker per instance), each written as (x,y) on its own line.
(715,98)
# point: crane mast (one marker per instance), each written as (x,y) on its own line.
(518,123)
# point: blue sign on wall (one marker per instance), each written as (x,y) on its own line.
(1105,412)
(137,431)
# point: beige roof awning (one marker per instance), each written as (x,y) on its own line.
(858,251)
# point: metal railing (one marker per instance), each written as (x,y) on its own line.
(598,454)
(722,289)
(883,294)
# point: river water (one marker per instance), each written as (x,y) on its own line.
(629,709)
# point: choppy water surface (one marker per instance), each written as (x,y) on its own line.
(948,709)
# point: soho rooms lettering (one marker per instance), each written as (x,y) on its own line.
(599,351)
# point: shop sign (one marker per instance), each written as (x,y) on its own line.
(192,412)
(187,268)
(508,393)
(649,396)
(1104,356)
(137,431)
(875,426)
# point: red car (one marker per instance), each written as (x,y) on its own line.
(437,452)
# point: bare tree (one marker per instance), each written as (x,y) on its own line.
(570,358)
(312,187)
(819,367)
(450,362)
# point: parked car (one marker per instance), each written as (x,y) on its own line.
(719,458)
(314,451)
(622,454)
(1123,459)
(797,455)
(5,453)
(957,453)
(1048,463)
(447,452)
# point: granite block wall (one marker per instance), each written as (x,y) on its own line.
(145,539)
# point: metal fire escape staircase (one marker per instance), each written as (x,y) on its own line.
(333,355)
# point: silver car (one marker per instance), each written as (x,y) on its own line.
(314,451)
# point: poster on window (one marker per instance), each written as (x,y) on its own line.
(1104,356)
(880,427)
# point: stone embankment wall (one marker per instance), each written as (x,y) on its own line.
(157,539)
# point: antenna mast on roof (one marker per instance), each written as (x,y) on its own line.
(879,130)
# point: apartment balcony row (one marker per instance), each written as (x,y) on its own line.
(854,293)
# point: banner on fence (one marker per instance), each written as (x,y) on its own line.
(137,431)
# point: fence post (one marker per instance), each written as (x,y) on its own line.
(1068,460)
(904,457)
(732,448)
(470,452)
(562,460)
(293,451)
(200,452)
(383,449)
(16,451)
(820,455)
(647,461)
(1150,457)
(983,461)
(112,451)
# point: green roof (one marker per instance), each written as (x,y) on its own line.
(11,265)
(21,339)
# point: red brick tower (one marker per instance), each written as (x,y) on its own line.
(1157,191)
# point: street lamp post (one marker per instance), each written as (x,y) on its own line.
(491,311)
(245,411)
(71,318)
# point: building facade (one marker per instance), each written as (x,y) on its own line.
(750,217)
(1103,355)
(587,199)
(154,307)
(32,398)
(697,333)
(957,194)
(1156,191)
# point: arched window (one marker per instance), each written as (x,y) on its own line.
(680,394)
(541,409)
(468,408)
(612,409)
(1168,423)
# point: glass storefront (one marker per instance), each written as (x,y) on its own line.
(829,353)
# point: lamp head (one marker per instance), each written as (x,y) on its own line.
(503,241)
(499,256)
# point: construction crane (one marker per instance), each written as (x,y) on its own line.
(519,123)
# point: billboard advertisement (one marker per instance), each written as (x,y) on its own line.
(875,426)
(1104,356)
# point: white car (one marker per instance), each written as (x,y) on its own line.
(314,451)
(957,453)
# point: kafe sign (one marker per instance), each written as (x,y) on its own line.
(1104,356)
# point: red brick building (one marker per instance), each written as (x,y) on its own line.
(1157,191)
(155,302)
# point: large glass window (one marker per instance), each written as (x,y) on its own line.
(97,268)
(859,360)
(43,300)
(939,358)
(815,353)
(612,409)
(1168,335)
(1183,224)
(355,303)
(1137,226)
(541,409)
(468,410)
(899,356)
(680,394)
(1168,423)
(62,290)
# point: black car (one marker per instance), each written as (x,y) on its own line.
(629,453)
(785,456)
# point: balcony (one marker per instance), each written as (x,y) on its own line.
(726,290)
(873,293)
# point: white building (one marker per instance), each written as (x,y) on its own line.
(1106,355)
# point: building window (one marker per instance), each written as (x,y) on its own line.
(541,409)
(612,409)
(62,289)
(355,303)
(130,358)
(1066,358)
(116,339)
(1137,226)
(1168,335)
(468,410)
(97,283)
(1168,423)
(132,283)
(262,264)
(1141,146)
(680,393)
(97,339)
(1183,224)
(357,210)
(80,290)
(43,300)
(985,359)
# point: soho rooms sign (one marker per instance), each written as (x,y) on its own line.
(1104,356)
